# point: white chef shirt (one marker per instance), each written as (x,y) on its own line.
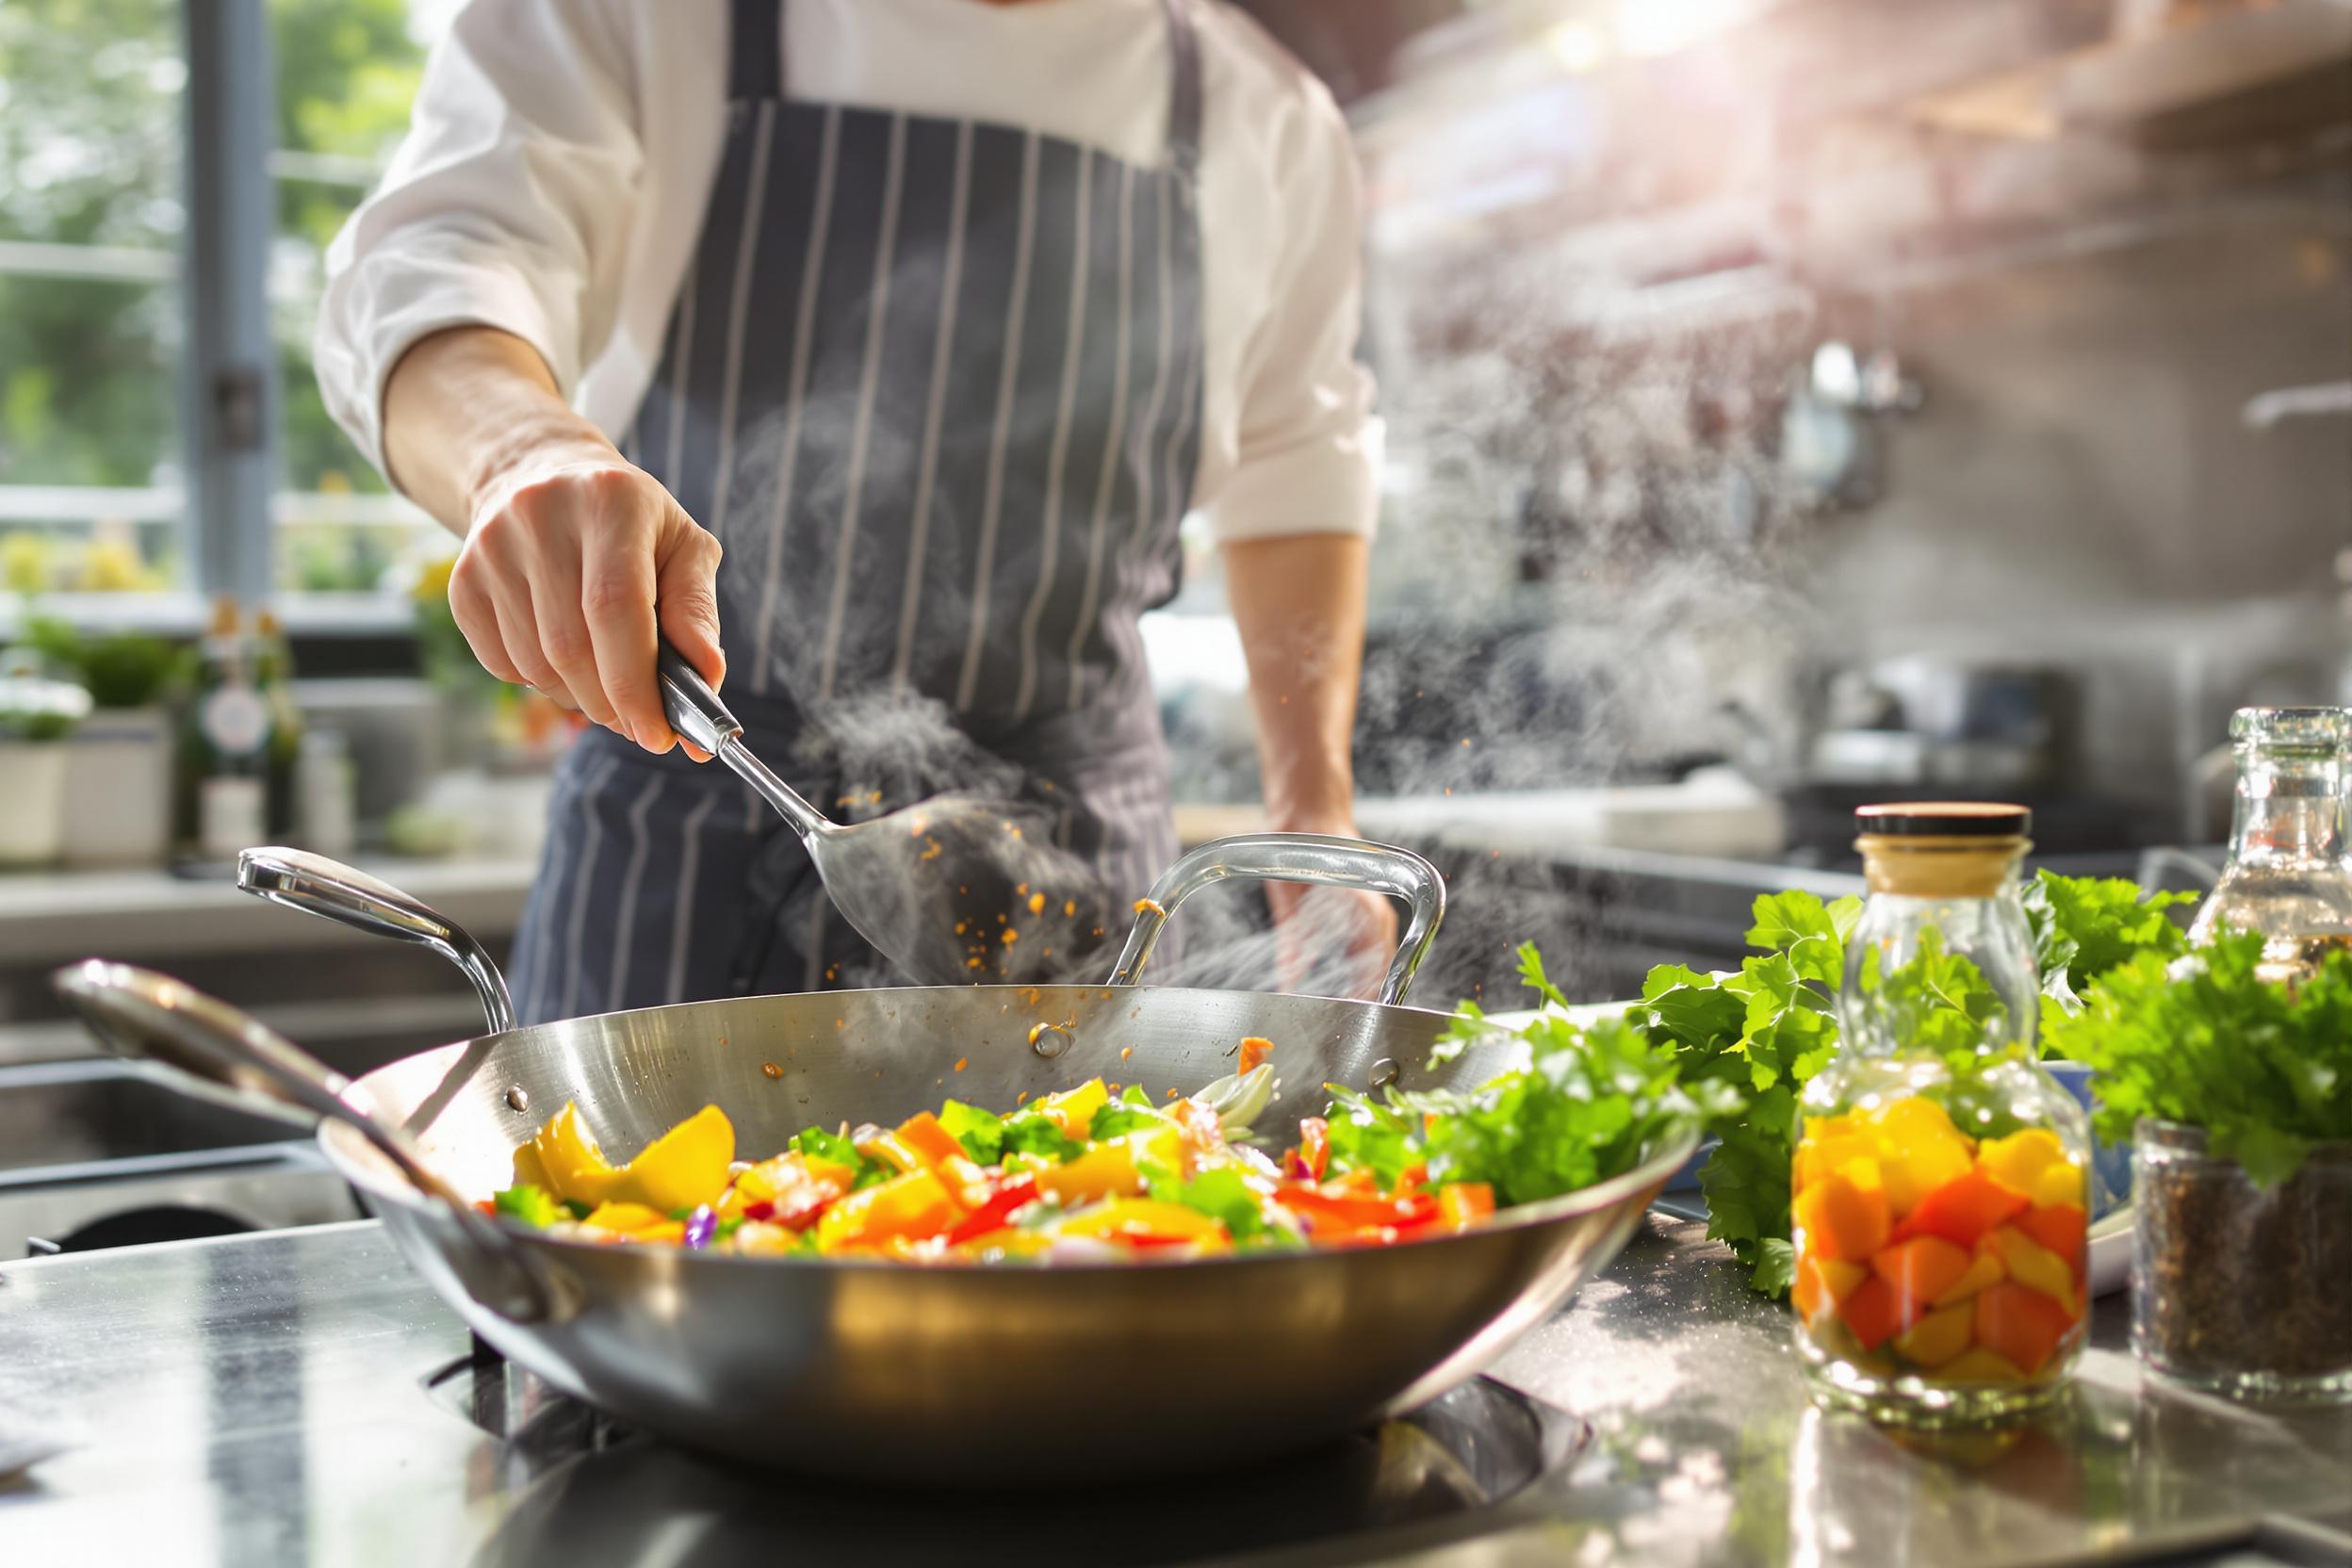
(553,181)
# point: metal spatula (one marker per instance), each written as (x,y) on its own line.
(955,890)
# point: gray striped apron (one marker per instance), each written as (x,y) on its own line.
(936,386)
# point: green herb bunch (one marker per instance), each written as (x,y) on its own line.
(2264,1070)
(1592,1104)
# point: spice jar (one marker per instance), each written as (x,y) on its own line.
(1938,1183)
(2238,1288)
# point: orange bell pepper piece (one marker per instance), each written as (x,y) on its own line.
(1921,1270)
(1842,1221)
(1873,1313)
(1962,1211)
(1465,1203)
(2060,1227)
(2022,1327)
(929,1138)
(1821,1285)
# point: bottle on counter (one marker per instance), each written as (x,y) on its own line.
(2287,876)
(224,745)
(1938,1185)
(273,673)
(326,792)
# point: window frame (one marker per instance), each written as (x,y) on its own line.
(231,406)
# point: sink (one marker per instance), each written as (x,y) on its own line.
(57,1118)
(93,1153)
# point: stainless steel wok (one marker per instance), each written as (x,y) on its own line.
(885,1371)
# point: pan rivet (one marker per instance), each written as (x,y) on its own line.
(1384,1073)
(1049,1040)
(516,1099)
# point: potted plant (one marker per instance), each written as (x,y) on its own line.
(118,786)
(2237,1093)
(36,716)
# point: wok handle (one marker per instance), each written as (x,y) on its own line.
(1311,858)
(332,890)
(209,1050)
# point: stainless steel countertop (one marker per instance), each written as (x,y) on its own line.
(260,1400)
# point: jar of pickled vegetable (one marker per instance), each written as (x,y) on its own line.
(1938,1196)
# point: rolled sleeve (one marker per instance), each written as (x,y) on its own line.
(505,206)
(1308,453)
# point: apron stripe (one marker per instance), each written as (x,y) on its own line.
(1131,567)
(861,432)
(1057,453)
(935,409)
(583,889)
(1113,434)
(685,352)
(746,248)
(1016,315)
(682,921)
(820,224)
(625,925)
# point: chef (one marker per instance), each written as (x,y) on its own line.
(891,339)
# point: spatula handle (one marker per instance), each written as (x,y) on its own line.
(692,706)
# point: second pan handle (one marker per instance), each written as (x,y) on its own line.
(347,897)
(1314,858)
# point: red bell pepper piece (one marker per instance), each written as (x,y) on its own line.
(1962,1211)
(1314,1153)
(991,1216)
(1326,1209)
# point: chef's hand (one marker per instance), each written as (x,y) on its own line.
(1332,941)
(572,557)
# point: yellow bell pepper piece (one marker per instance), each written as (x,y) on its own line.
(1918,1150)
(1984,1270)
(911,1207)
(2018,1161)
(1114,1168)
(625,1216)
(2033,1265)
(1144,1217)
(565,1161)
(1836,1146)
(1939,1337)
(2060,1183)
(1073,1110)
(685,1166)
(1979,1365)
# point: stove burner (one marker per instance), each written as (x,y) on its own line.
(597,1491)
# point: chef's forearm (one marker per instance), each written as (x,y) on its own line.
(1298,603)
(462,408)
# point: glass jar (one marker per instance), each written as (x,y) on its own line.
(1938,1186)
(2237,1288)
(2287,875)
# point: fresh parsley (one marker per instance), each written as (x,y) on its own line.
(981,1133)
(1124,1115)
(1033,1132)
(2264,1070)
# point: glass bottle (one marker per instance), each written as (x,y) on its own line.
(224,745)
(273,675)
(2287,875)
(1937,1189)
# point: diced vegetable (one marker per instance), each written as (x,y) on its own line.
(1115,1167)
(1821,1285)
(2021,1325)
(1873,1313)
(997,1211)
(1465,1203)
(1978,1365)
(529,1204)
(1145,1220)
(911,1207)
(684,1167)
(2062,1228)
(1314,1153)
(1963,1210)
(1939,1337)
(1984,1270)
(1921,1270)
(1073,1110)
(2035,1267)
(1842,1220)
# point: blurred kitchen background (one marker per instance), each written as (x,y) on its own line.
(1790,403)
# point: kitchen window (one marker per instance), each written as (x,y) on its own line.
(119,326)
